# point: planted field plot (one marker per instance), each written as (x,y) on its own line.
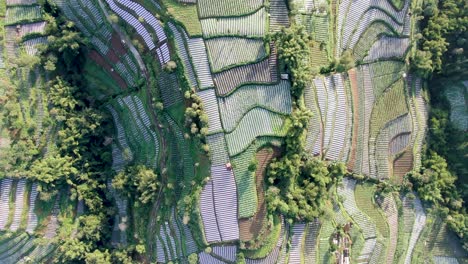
(210,105)
(354,18)
(31,46)
(197,51)
(316,25)
(384,74)
(119,235)
(207,258)
(391,105)
(419,116)
(362,220)
(369,37)
(32,217)
(392,139)
(445,260)
(267,124)
(456,96)
(278,253)
(295,251)
(278,15)
(311,242)
(226,52)
(218,206)
(334,113)
(223,8)
(19,31)
(208,216)
(148,18)
(247,191)
(183,54)
(325,234)
(366,99)
(364,194)
(387,48)
(388,205)
(276,98)
(184,11)
(16,252)
(133,22)
(367,19)
(20,2)
(163,54)
(6,185)
(218,149)
(305,6)
(251,25)
(250,194)
(419,222)
(142,140)
(315,124)
(22,14)
(227,253)
(169,88)
(260,72)
(251,227)
(18,206)
(182,156)
(101,61)
(40,253)
(121,134)
(225,202)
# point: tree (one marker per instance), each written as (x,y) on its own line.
(98,257)
(346,62)
(294,53)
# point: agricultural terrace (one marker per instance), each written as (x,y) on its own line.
(176,118)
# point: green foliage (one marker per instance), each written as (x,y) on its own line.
(139,181)
(436,185)
(195,116)
(346,62)
(443,38)
(240,258)
(193,258)
(294,54)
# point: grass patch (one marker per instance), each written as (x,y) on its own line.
(364,199)
(403,237)
(99,81)
(185,14)
(269,242)
(24,213)
(43,210)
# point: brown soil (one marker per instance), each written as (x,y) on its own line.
(354,92)
(249,228)
(96,57)
(403,165)
(117,45)
(112,57)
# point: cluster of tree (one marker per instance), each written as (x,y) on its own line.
(195,117)
(343,64)
(299,183)
(294,54)
(435,184)
(138,181)
(444,37)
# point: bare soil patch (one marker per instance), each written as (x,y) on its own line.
(403,165)
(117,45)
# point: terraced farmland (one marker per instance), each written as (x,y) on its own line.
(186,103)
